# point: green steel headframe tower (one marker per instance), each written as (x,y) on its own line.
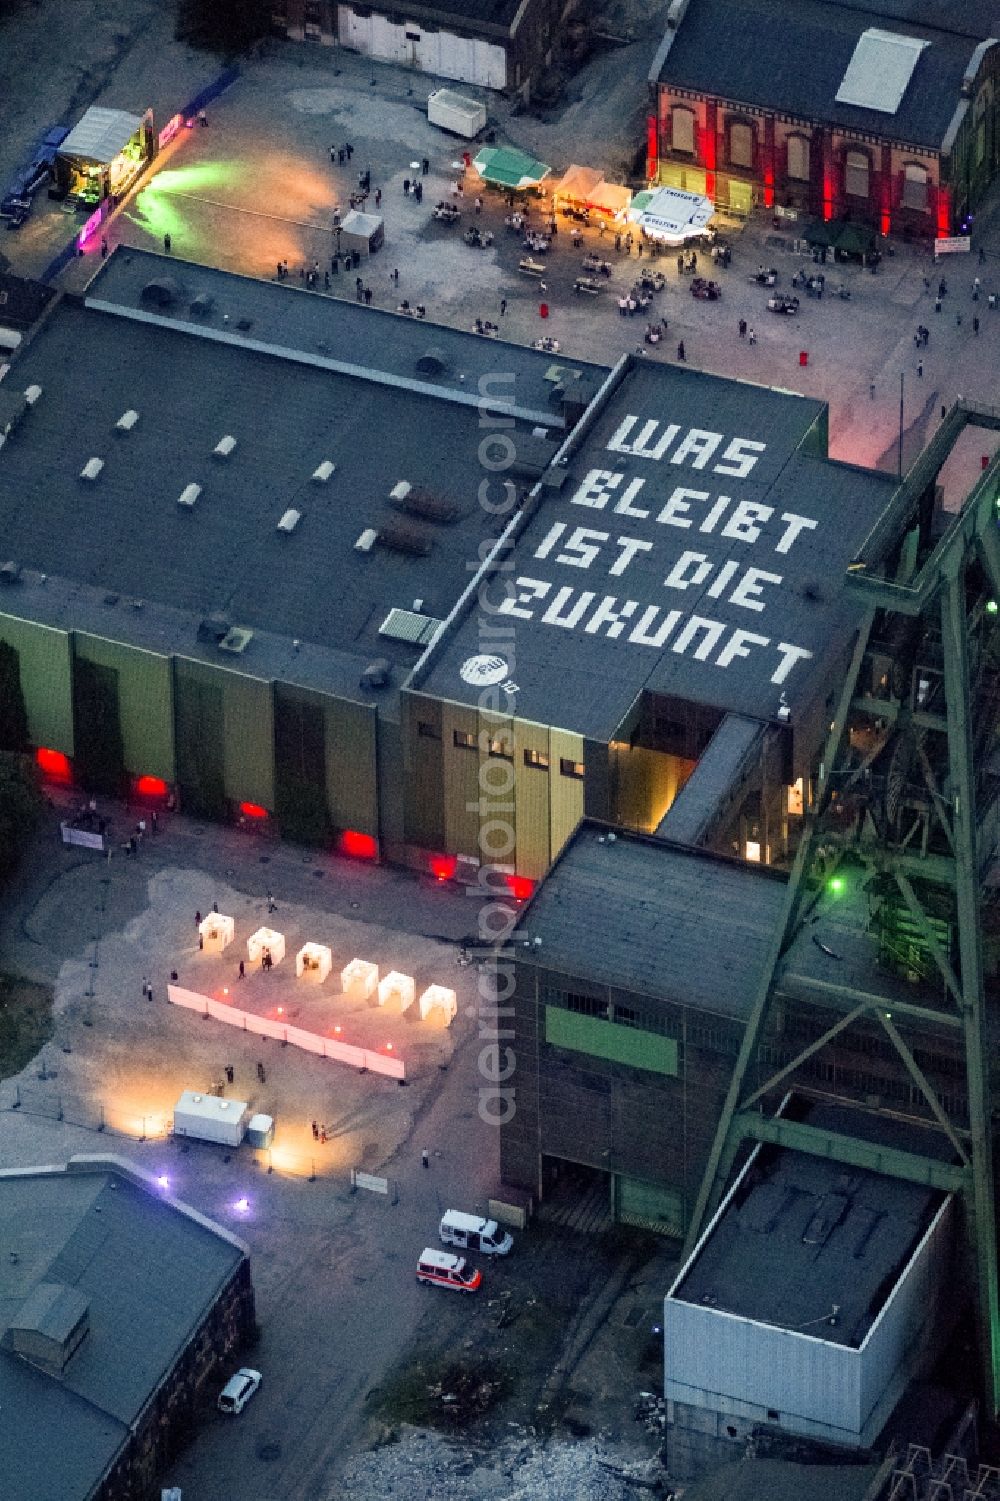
(906,794)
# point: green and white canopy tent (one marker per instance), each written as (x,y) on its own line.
(505,167)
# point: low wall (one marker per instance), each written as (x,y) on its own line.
(296,1037)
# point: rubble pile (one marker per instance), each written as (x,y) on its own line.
(419,1465)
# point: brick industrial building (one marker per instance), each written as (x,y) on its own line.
(886,114)
(495,44)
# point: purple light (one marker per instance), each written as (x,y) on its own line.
(163,1181)
(242,1205)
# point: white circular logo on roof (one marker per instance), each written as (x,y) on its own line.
(484,670)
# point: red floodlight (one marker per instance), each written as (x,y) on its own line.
(54,765)
(150,787)
(520,887)
(359,846)
(253,810)
(443,867)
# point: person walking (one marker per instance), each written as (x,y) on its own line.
(751,336)
(167,243)
(681,352)
(975,325)
(197,919)
(920,369)
(241,973)
(742,326)
(425,165)
(871,390)
(230,1073)
(503,306)
(378,197)
(272,905)
(425,1158)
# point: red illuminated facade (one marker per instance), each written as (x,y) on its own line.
(773,153)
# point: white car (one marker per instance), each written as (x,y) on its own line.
(238,1390)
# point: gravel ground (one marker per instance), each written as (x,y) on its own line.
(423,1466)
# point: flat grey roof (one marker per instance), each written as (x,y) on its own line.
(803,1233)
(125,533)
(792,58)
(149,1273)
(694,545)
(735,743)
(654,918)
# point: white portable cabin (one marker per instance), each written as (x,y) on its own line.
(456,112)
(210,1118)
(359,979)
(438,999)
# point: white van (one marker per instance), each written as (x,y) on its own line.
(444,1270)
(474,1234)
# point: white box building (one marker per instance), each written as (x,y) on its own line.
(816,1293)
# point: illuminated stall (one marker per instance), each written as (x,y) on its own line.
(313,962)
(585,188)
(103,155)
(361,232)
(359,979)
(505,167)
(267,945)
(217,932)
(397,991)
(439,1004)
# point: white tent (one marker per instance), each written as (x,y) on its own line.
(364,232)
(397,990)
(313,961)
(671,215)
(359,979)
(217,932)
(266,938)
(439,998)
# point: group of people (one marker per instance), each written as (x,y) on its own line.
(484,326)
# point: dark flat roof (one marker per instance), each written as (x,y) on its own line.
(125,532)
(149,1272)
(802,1233)
(757,507)
(653,918)
(792,58)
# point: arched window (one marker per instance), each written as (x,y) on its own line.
(856,174)
(798,158)
(915,186)
(740,144)
(682,129)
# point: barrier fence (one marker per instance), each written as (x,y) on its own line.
(296,1037)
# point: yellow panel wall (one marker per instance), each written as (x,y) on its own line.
(497,789)
(533,799)
(566,792)
(248,716)
(423,770)
(46,680)
(461,780)
(145,703)
(351,766)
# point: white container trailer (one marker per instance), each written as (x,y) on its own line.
(210,1118)
(457,113)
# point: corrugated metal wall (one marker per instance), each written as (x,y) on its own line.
(351,765)
(715,1360)
(46,680)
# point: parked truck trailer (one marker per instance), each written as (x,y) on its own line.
(208,1117)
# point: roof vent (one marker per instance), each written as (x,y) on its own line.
(202,305)
(289,521)
(10,573)
(367,540)
(224,447)
(127,421)
(213,628)
(400,490)
(376,674)
(188,496)
(236,640)
(91,468)
(323,471)
(407,625)
(432,362)
(32,394)
(404,539)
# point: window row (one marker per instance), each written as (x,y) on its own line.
(502,747)
(798,158)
